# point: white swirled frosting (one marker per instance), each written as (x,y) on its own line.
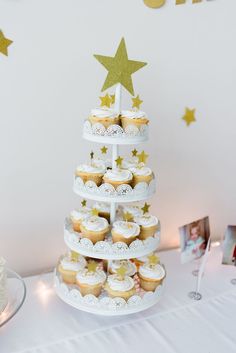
(146,220)
(104,113)
(133,114)
(130,163)
(116,284)
(92,278)
(70,265)
(91,168)
(102,207)
(126,229)
(145,258)
(152,271)
(143,171)
(95,223)
(118,175)
(129,266)
(3,285)
(134,210)
(81,214)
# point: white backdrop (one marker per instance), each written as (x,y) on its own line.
(50,81)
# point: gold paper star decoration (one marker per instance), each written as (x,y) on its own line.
(134,153)
(189,116)
(91,154)
(127,216)
(136,102)
(4,44)
(104,150)
(121,271)
(119,161)
(153,259)
(94,212)
(119,68)
(92,266)
(83,203)
(105,101)
(145,208)
(113,98)
(142,157)
(74,256)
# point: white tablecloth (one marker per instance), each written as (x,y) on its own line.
(175,325)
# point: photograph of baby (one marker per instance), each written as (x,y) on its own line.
(193,239)
(229,246)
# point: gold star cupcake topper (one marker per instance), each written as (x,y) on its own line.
(142,157)
(74,256)
(134,152)
(127,216)
(92,266)
(113,98)
(104,149)
(121,271)
(94,212)
(105,101)
(153,260)
(119,68)
(83,203)
(119,161)
(4,44)
(145,208)
(189,116)
(136,102)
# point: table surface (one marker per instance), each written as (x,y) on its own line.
(176,324)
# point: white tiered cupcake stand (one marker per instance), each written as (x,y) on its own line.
(107,250)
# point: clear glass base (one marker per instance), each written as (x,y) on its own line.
(233,281)
(195,295)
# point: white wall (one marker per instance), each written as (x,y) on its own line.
(50,81)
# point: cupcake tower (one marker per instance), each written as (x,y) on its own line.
(111,267)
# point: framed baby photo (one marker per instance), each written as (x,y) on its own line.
(193,239)
(229,246)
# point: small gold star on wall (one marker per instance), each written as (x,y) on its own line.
(4,44)
(145,208)
(105,101)
(189,116)
(83,203)
(119,161)
(104,149)
(136,102)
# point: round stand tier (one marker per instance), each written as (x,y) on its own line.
(103,305)
(106,249)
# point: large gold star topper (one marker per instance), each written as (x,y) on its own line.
(153,259)
(4,44)
(142,157)
(145,208)
(136,102)
(92,266)
(119,68)
(105,101)
(119,161)
(104,149)
(121,271)
(83,203)
(189,116)
(128,217)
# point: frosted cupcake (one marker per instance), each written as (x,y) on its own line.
(130,163)
(151,276)
(125,231)
(118,177)
(148,226)
(77,216)
(70,265)
(129,266)
(90,281)
(94,228)
(106,117)
(134,210)
(91,171)
(132,117)
(141,174)
(123,287)
(103,210)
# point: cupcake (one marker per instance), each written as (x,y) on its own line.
(151,276)
(103,210)
(134,210)
(141,174)
(106,117)
(70,265)
(125,231)
(148,225)
(118,177)
(90,280)
(132,117)
(129,266)
(93,172)
(130,163)
(94,228)
(77,216)
(122,287)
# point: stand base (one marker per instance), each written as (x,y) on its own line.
(233,281)
(195,295)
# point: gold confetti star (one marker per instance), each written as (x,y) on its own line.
(94,212)
(136,102)
(142,157)
(119,68)
(145,208)
(104,150)
(153,259)
(119,161)
(91,154)
(83,203)
(189,116)
(105,101)
(92,266)
(4,44)
(113,98)
(134,153)
(127,216)
(121,271)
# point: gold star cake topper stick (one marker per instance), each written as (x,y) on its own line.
(119,161)
(83,203)
(104,149)
(189,116)
(121,271)
(134,153)
(92,266)
(136,102)
(145,208)
(94,212)
(142,157)
(105,101)
(128,217)
(119,68)
(4,44)
(153,260)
